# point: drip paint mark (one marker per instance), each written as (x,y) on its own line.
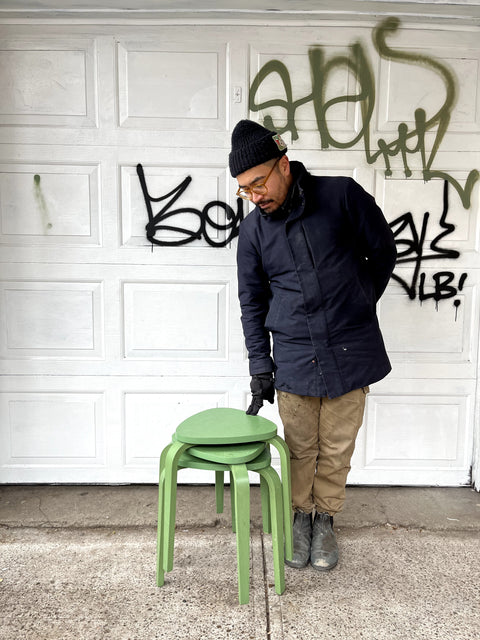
(40,200)
(457,302)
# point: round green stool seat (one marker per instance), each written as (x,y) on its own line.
(223,425)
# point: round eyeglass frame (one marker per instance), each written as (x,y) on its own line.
(246,193)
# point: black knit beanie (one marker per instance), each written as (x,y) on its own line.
(252,145)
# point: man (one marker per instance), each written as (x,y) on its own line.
(314,257)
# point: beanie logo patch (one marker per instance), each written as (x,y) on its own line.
(277,138)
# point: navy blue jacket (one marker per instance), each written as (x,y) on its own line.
(311,279)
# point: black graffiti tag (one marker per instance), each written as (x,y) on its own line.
(156,222)
(411,250)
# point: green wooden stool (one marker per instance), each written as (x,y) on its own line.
(222,426)
(219,426)
(272,508)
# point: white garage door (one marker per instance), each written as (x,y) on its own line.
(109,338)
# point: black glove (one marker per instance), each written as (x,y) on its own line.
(262,388)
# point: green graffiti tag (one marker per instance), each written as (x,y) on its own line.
(40,200)
(407,142)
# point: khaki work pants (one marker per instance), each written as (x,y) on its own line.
(320,434)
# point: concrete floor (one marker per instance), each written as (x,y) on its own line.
(78,562)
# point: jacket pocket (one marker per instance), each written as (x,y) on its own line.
(276,305)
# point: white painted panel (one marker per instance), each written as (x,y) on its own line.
(429,332)
(51,320)
(175,320)
(48,81)
(156,86)
(45,429)
(416,85)
(37,206)
(414,431)
(208,184)
(160,84)
(151,420)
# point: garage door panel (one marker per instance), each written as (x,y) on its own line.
(442,334)
(176,320)
(51,320)
(42,429)
(156,86)
(37,206)
(416,431)
(48,81)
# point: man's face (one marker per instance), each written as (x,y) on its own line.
(277,183)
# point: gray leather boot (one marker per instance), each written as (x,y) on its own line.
(324,554)
(302,538)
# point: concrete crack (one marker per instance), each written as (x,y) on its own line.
(382,506)
(47,519)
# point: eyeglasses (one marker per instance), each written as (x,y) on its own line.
(261,188)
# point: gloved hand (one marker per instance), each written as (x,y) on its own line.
(262,388)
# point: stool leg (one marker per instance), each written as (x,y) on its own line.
(232,500)
(219,490)
(173,454)
(267,523)
(160,574)
(276,507)
(241,490)
(284,452)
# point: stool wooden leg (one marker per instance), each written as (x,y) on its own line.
(276,507)
(173,454)
(284,452)
(219,490)
(241,490)
(265,497)
(160,574)
(232,500)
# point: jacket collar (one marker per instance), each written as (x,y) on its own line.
(297,203)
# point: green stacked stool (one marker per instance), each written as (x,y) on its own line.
(223,440)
